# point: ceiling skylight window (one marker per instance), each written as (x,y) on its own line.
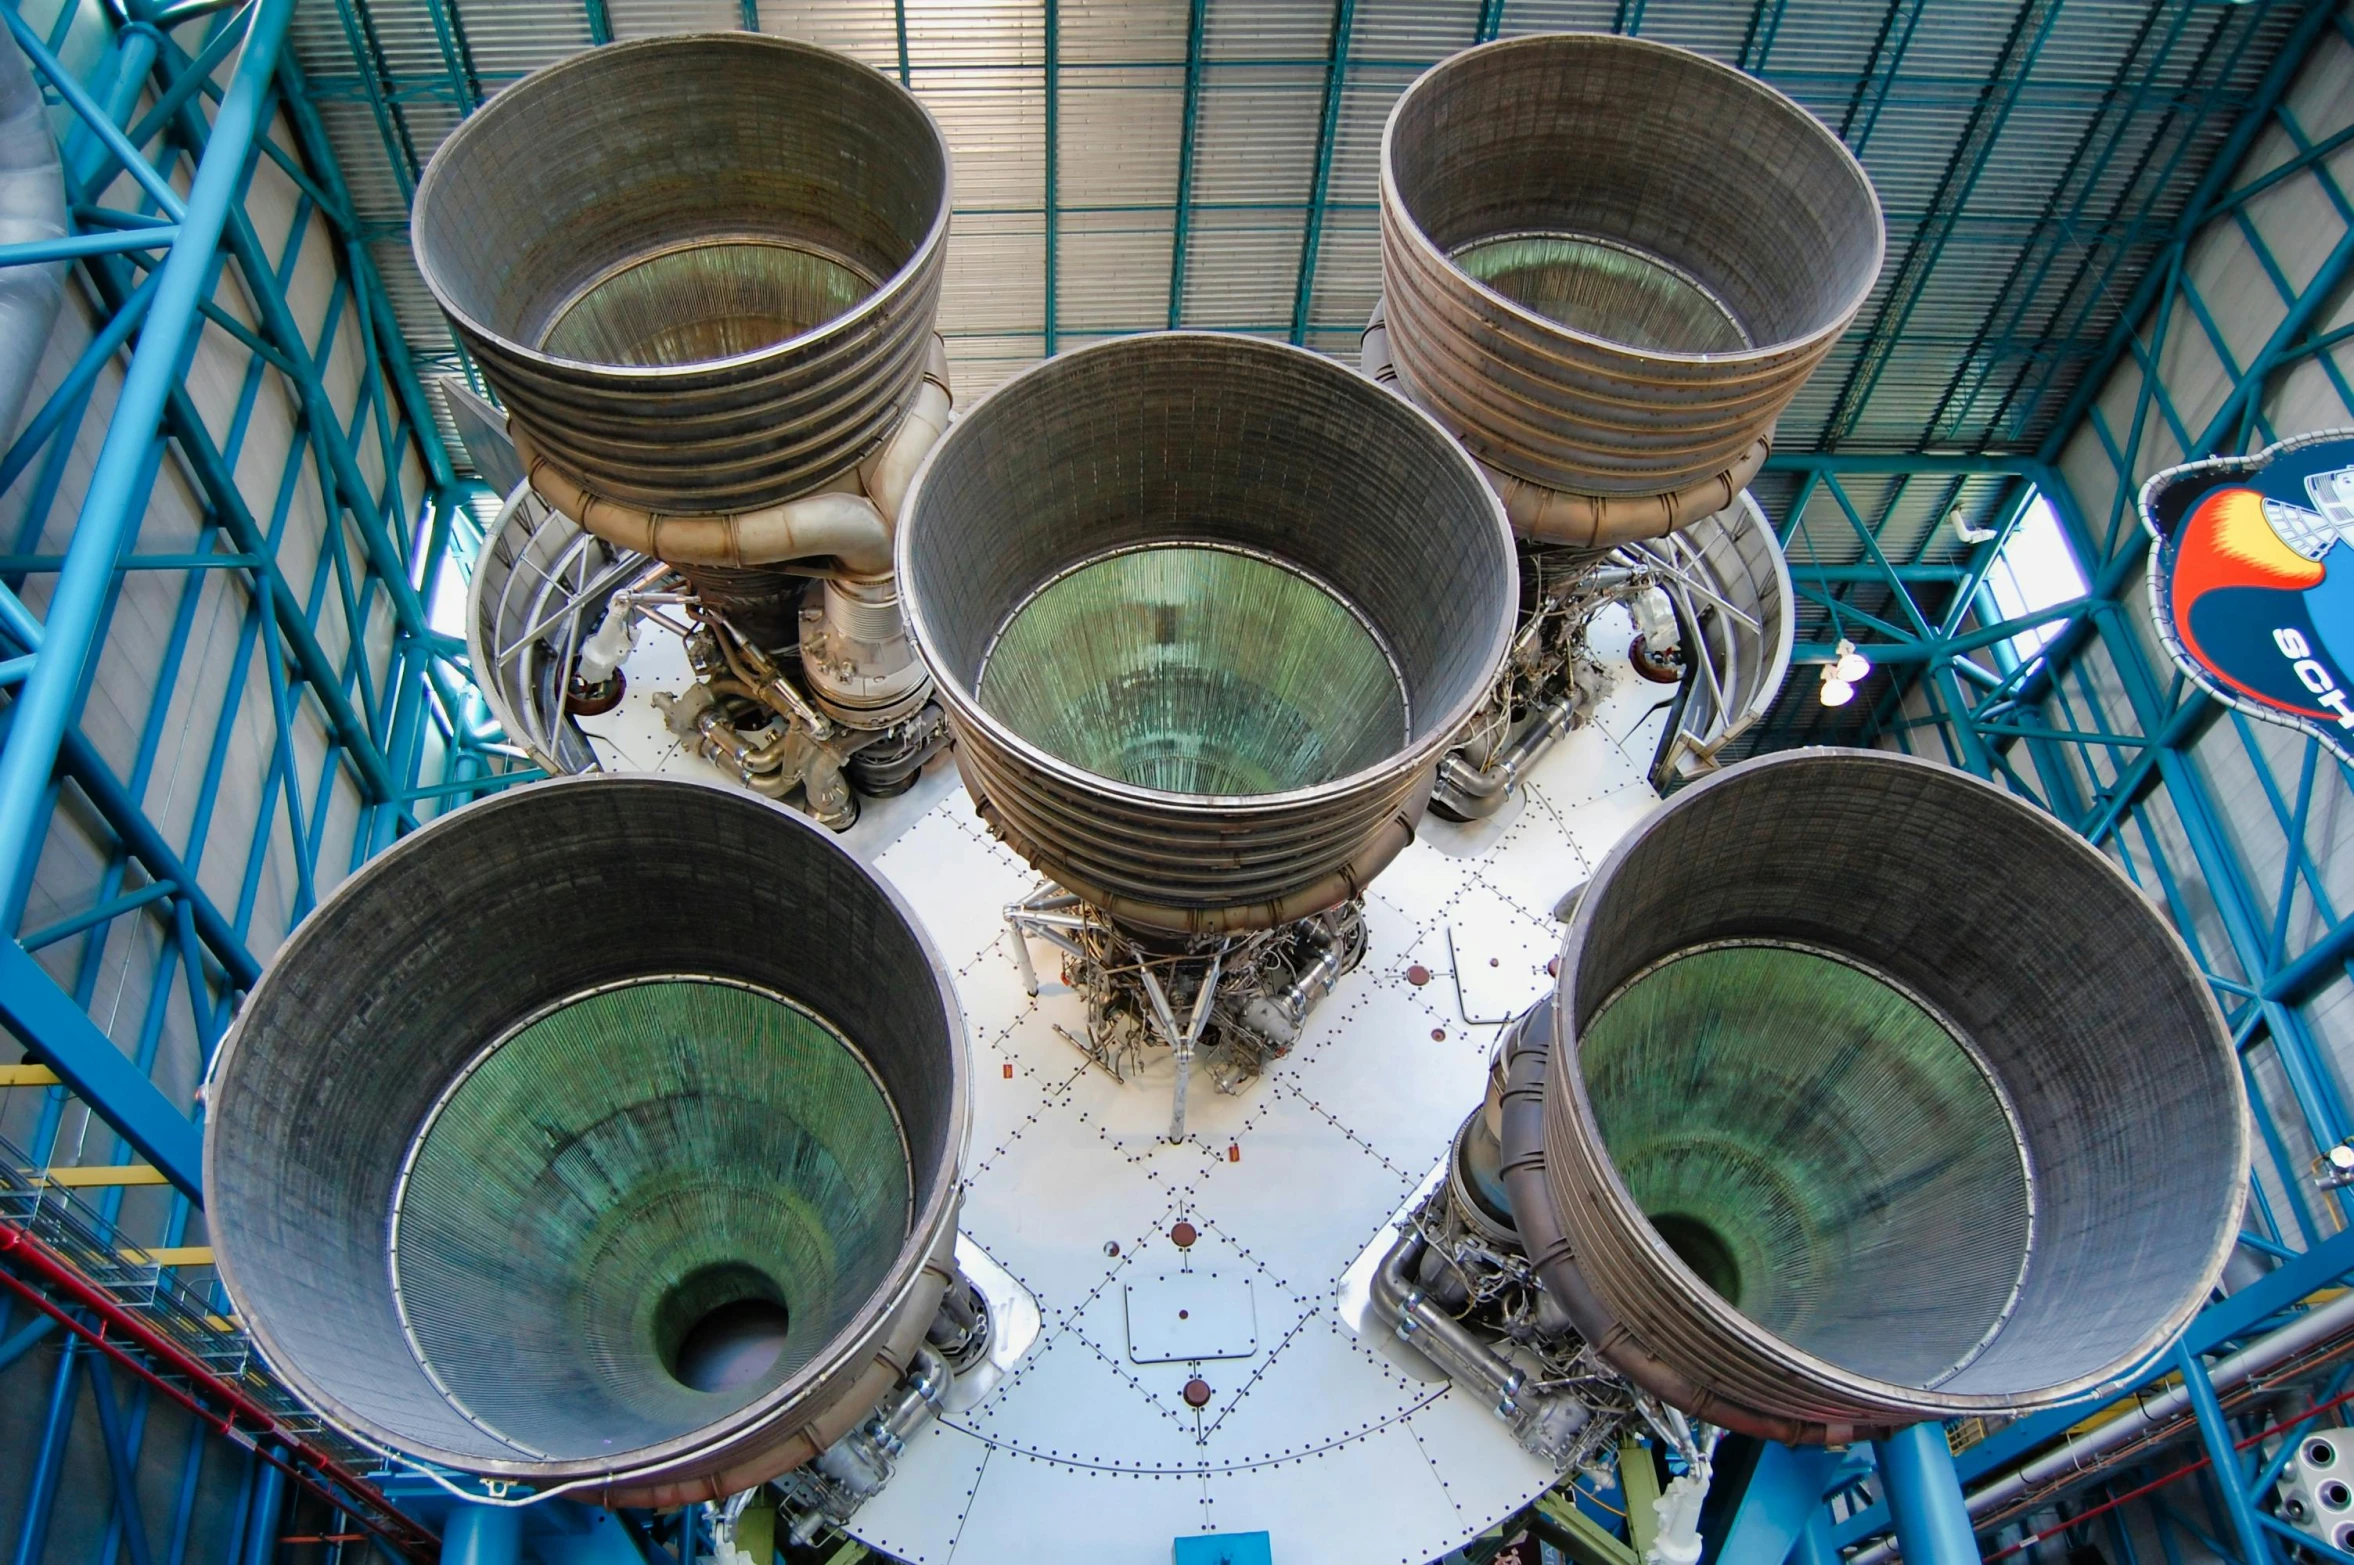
(2034,570)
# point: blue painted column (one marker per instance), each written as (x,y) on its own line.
(1814,1541)
(119,487)
(267,1514)
(482,1535)
(2230,1477)
(32,1536)
(1785,1492)
(1925,1497)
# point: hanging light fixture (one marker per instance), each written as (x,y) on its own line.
(1843,673)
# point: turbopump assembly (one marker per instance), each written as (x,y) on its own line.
(1868,1094)
(1203,612)
(603,1139)
(711,326)
(1607,266)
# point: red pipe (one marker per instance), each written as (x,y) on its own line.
(402,1533)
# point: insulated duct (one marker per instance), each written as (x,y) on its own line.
(1871,1094)
(602,1136)
(32,210)
(539,586)
(1729,575)
(1607,266)
(700,272)
(1203,611)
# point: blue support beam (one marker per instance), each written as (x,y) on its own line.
(1873,87)
(2223,1459)
(1898,465)
(2114,771)
(1783,1499)
(1814,1542)
(2205,202)
(482,1535)
(121,1440)
(1180,229)
(1925,1495)
(1336,77)
(2058,231)
(40,1501)
(359,572)
(2118,746)
(118,491)
(62,1036)
(265,1516)
(2243,1313)
(23,1340)
(1971,156)
(1757,40)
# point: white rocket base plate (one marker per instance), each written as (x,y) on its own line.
(1338,1448)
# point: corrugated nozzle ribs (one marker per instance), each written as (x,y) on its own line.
(1609,264)
(602,1136)
(1203,611)
(701,272)
(1870,1094)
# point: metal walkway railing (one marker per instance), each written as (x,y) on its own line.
(67,1260)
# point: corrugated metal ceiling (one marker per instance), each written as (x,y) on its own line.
(2031,156)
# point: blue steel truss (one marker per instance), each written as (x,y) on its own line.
(360,709)
(2104,733)
(167,114)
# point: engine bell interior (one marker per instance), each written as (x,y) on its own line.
(1219,783)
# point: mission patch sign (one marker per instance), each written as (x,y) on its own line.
(2252,580)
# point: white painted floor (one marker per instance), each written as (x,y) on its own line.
(1337,1448)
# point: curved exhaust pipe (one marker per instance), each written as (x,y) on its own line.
(702,274)
(1607,266)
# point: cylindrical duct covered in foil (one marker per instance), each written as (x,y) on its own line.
(701,271)
(1609,264)
(602,1136)
(1203,611)
(1871,1094)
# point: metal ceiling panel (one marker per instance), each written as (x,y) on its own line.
(2029,153)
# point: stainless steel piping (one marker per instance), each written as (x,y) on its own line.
(1547,1422)
(2063,1461)
(1480,791)
(701,273)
